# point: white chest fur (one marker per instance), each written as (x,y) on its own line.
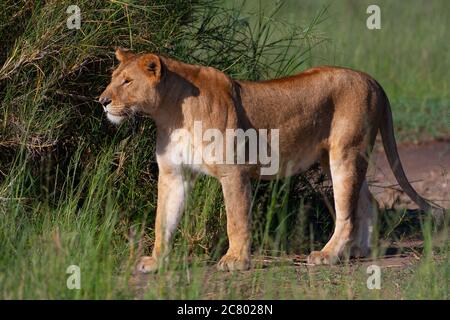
(182,151)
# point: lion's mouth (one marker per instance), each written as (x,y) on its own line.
(115,114)
(114,117)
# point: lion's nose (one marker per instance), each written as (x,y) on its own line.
(104,101)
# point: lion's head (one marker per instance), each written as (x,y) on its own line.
(133,87)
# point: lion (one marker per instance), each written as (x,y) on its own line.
(327,115)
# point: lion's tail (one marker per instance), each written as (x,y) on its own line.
(390,148)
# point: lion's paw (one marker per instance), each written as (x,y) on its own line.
(147,265)
(322,257)
(233,263)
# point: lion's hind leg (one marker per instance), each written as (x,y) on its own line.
(366,216)
(348,169)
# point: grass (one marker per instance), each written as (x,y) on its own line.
(75,190)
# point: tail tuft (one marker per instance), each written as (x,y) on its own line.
(390,148)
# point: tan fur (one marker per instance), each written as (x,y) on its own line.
(327,113)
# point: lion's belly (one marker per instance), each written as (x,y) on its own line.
(289,156)
(296,160)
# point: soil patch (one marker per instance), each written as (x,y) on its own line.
(427,167)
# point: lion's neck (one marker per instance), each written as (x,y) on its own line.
(180,94)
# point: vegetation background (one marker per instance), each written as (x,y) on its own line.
(75,190)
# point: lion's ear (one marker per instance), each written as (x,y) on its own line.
(123,54)
(153,64)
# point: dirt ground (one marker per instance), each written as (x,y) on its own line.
(427,167)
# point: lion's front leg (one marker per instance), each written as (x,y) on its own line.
(237,194)
(172,191)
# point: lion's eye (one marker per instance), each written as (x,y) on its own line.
(126,81)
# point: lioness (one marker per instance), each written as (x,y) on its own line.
(329,115)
